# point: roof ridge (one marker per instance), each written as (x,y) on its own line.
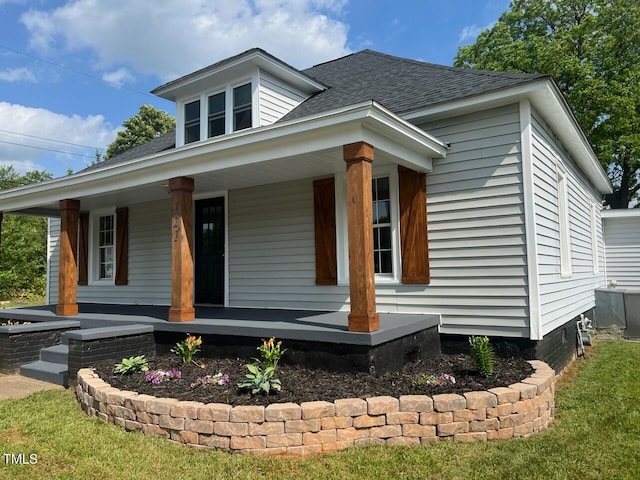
(455,69)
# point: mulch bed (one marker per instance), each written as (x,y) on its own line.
(300,384)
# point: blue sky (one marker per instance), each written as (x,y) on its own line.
(72,71)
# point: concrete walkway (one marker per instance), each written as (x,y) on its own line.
(17,386)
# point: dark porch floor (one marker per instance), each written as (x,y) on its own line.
(304,325)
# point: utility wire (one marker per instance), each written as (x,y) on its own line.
(79,72)
(49,140)
(47,149)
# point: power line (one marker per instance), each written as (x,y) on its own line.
(79,72)
(50,140)
(47,149)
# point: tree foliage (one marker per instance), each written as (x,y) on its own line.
(146,125)
(592,50)
(23,247)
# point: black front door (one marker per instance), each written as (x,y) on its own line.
(209,239)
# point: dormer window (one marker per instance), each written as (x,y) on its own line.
(217,106)
(242,107)
(192,122)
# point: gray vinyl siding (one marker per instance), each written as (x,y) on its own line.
(622,240)
(276,99)
(563,297)
(53,255)
(271,250)
(149,261)
(476,228)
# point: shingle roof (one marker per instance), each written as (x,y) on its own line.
(398,84)
(156,145)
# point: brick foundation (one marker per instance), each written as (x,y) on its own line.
(519,410)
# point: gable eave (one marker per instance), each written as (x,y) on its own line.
(237,66)
(546,98)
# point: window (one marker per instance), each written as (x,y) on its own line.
(563,221)
(382,251)
(242,107)
(192,122)
(594,237)
(106,247)
(216,124)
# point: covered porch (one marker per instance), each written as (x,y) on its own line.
(341,144)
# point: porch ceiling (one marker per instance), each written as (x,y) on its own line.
(281,152)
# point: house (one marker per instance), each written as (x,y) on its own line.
(622,240)
(366,184)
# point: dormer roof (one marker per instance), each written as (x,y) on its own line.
(234,67)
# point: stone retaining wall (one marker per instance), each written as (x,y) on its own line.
(519,410)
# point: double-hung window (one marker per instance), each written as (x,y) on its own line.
(382,250)
(192,122)
(106,247)
(242,107)
(217,117)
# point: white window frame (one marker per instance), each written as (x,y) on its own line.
(564,227)
(94,248)
(204,109)
(342,238)
(594,237)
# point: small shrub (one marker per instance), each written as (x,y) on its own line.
(131,365)
(435,380)
(482,353)
(260,380)
(188,348)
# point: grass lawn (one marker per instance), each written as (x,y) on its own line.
(23,302)
(596,434)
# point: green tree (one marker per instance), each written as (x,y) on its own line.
(146,125)
(23,254)
(592,50)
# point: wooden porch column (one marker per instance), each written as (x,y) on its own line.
(67,281)
(181,250)
(362,288)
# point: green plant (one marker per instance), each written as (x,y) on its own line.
(482,353)
(131,365)
(270,352)
(188,348)
(260,380)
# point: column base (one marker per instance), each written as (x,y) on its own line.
(66,310)
(364,323)
(182,314)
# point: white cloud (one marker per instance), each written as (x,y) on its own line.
(470,32)
(19,124)
(18,75)
(118,77)
(174,37)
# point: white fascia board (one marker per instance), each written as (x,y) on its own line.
(547,99)
(200,81)
(280,140)
(621,213)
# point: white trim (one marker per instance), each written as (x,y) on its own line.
(622,212)
(366,121)
(546,97)
(533,274)
(94,260)
(564,227)
(594,237)
(204,196)
(342,237)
